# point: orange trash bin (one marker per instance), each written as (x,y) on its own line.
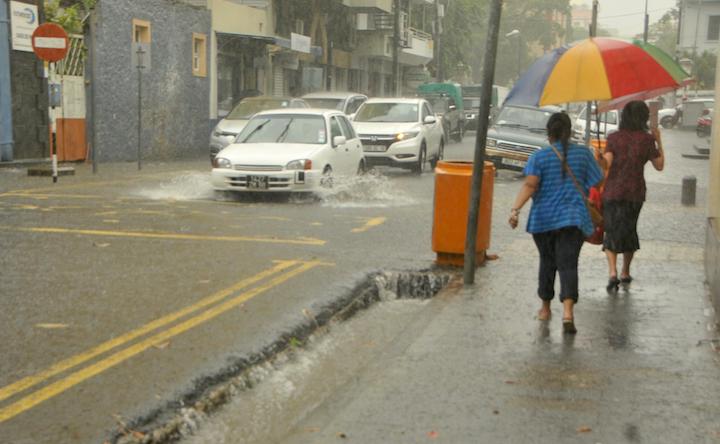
(453,180)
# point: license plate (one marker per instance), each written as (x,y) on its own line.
(513,162)
(257,182)
(375,148)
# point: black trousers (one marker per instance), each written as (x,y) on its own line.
(559,253)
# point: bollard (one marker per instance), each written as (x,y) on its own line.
(689,184)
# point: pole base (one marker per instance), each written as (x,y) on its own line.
(458,260)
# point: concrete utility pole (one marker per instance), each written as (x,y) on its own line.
(488,76)
(6,129)
(647,23)
(588,105)
(438,40)
(396,49)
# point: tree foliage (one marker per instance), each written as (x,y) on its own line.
(70,14)
(465,26)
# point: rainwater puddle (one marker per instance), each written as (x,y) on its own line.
(186,186)
(293,389)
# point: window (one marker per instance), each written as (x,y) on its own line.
(335,128)
(141,31)
(199,45)
(713,32)
(355,104)
(425,112)
(347,128)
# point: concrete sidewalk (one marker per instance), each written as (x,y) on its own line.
(644,366)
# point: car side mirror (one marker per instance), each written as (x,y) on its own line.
(339,140)
(351,116)
(429,119)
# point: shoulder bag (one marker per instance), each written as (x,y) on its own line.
(592,205)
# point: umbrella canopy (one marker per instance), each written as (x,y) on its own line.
(611,71)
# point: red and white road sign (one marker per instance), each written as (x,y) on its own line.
(50,42)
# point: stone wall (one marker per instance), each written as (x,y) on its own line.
(175,104)
(29,105)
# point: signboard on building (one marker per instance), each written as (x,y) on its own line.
(23,22)
(300,43)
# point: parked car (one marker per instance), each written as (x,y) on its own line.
(516,133)
(346,102)
(403,133)
(289,150)
(228,128)
(609,123)
(446,101)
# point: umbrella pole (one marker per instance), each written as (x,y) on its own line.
(588,105)
(491,43)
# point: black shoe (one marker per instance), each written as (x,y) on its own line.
(569,326)
(626,280)
(613,285)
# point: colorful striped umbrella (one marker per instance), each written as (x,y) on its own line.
(611,71)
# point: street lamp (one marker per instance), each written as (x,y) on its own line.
(514,33)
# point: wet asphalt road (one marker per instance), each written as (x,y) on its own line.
(120,289)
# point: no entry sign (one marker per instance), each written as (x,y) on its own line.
(50,42)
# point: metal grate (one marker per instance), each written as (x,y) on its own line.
(527,149)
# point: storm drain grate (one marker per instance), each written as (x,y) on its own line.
(182,417)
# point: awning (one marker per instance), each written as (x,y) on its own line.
(273,40)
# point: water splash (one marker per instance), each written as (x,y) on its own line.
(371,190)
(186,186)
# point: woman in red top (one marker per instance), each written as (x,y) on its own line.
(627,152)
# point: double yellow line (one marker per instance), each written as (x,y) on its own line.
(282,271)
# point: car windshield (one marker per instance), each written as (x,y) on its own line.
(284,129)
(388,112)
(325,103)
(471,103)
(247,108)
(523,117)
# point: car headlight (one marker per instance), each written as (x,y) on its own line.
(220,162)
(491,143)
(407,135)
(300,164)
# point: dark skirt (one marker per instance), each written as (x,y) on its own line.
(620,219)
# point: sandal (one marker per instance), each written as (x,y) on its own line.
(546,317)
(569,326)
(626,280)
(613,285)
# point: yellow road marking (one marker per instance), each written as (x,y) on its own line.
(156,235)
(79,376)
(47,196)
(374,222)
(78,359)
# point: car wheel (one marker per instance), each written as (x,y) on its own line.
(441,153)
(326,181)
(362,168)
(422,156)
(666,122)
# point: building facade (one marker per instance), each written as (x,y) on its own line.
(174,82)
(699,26)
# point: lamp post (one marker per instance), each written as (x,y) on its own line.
(516,33)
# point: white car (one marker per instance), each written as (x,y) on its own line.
(402,133)
(289,150)
(609,123)
(346,102)
(228,128)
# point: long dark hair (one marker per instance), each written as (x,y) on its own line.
(635,116)
(559,128)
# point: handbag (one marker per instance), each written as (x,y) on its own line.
(592,203)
